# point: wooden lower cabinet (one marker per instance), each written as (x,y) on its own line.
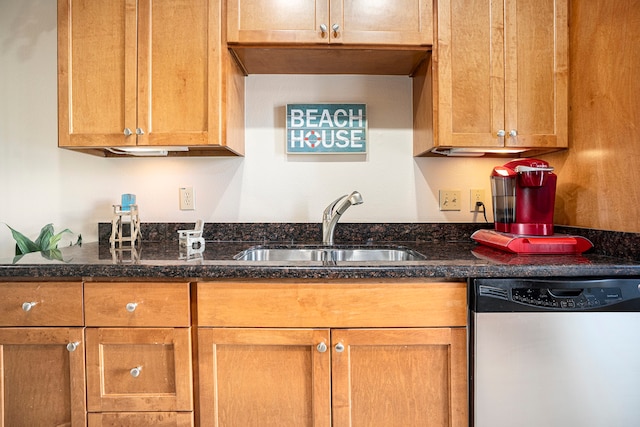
(139,359)
(129,419)
(339,377)
(42,376)
(42,381)
(336,374)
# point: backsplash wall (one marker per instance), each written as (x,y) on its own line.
(42,184)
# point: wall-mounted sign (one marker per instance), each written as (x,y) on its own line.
(326,128)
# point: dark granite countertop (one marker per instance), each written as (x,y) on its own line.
(445,260)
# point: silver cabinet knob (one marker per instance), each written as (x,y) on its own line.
(131,307)
(135,372)
(72,346)
(335,28)
(339,347)
(513,133)
(27,306)
(139,131)
(322,347)
(323,28)
(127,132)
(501,133)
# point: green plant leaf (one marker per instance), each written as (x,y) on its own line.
(24,245)
(45,236)
(53,240)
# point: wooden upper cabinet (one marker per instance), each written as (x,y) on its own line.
(500,75)
(390,22)
(140,72)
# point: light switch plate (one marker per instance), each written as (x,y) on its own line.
(449,200)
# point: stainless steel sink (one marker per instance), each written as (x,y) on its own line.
(332,253)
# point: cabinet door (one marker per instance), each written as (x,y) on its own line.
(501,73)
(536,73)
(391,22)
(42,381)
(97,72)
(469,73)
(138,73)
(173,68)
(275,21)
(139,369)
(264,377)
(399,377)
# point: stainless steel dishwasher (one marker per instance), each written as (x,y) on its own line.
(555,353)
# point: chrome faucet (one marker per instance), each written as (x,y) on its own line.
(334,211)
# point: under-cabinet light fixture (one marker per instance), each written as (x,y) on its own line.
(145,151)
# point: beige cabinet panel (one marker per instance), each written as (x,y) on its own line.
(141,304)
(41,304)
(141,419)
(144,73)
(264,377)
(500,76)
(399,377)
(387,22)
(42,377)
(139,369)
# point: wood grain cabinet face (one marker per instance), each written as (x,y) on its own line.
(139,369)
(42,376)
(142,73)
(391,22)
(41,304)
(139,364)
(355,368)
(499,68)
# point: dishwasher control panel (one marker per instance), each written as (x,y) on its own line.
(512,295)
(567,298)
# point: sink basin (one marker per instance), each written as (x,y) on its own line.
(333,253)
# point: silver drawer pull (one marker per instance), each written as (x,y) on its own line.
(131,307)
(339,347)
(72,346)
(135,372)
(27,306)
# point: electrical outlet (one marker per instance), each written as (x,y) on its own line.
(187,199)
(449,200)
(475,196)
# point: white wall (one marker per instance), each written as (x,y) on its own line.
(40,183)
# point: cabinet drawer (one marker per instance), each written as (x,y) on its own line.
(139,369)
(144,304)
(41,304)
(334,304)
(155,419)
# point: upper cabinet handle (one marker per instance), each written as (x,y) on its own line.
(513,133)
(323,28)
(501,133)
(139,131)
(335,28)
(127,132)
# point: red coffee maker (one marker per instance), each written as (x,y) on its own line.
(524,193)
